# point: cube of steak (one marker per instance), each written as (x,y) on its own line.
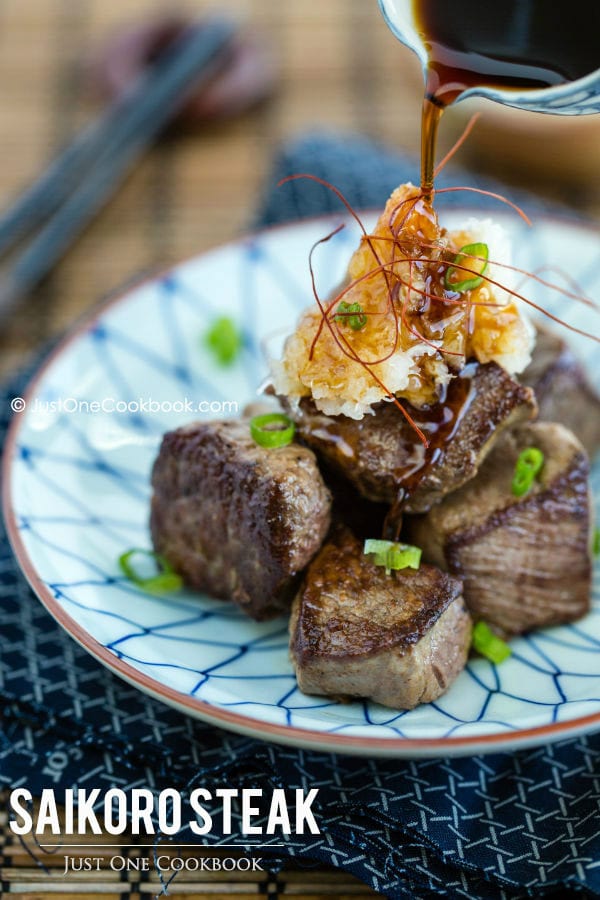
(383,456)
(562,390)
(524,561)
(399,639)
(234,519)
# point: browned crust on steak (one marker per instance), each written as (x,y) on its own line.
(350,607)
(397,639)
(382,454)
(525,562)
(234,519)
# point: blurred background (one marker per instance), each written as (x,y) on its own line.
(336,68)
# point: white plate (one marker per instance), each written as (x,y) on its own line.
(77,494)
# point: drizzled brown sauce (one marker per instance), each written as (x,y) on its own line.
(439,422)
(518,44)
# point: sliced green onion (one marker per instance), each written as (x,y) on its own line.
(272,430)
(460,281)
(374,546)
(166,581)
(351,314)
(224,340)
(528,466)
(489,644)
(596,542)
(391,555)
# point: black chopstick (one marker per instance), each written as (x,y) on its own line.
(105,152)
(57,181)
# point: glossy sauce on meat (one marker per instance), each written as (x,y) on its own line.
(438,421)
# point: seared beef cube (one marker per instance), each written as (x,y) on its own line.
(399,639)
(234,519)
(562,389)
(383,456)
(524,561)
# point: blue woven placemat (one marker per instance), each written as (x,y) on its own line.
(505,826)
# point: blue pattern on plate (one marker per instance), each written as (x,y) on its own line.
(80,484)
